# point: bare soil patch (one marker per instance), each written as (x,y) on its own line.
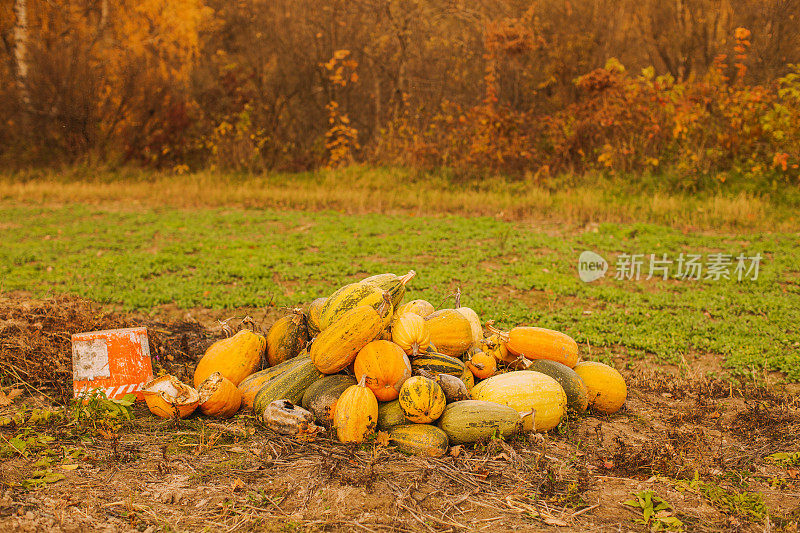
(700,444)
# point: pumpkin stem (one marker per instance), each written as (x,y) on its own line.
(479,366)
(363,381)
(415,349)
(458,298)
(408,277)
(298,316)
(504,335)
(387,303)
(521,359)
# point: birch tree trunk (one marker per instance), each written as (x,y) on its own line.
(21,52)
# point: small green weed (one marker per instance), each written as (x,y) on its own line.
(657,514)
(785,458)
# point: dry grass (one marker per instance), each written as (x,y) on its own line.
(368,190)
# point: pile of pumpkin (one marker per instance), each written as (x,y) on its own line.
(361,360)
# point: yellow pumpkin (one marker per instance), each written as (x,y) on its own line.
(219,397)
(472,316)
(538,398)
(385,368)
(450,332)
(482,365)
(356,413)
(539,343)
(235,358)
(422,400)
(418,307)
(606,387)
(410,332)
(167,397)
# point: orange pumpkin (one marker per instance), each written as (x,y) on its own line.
(482,365)
(219,397)
(410,332)
(539,343)
(385,367)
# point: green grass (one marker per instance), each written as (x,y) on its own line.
(143,257)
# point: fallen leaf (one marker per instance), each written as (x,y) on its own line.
(455,451)
(237,485)
(382,438)
(8,399)
(69,468)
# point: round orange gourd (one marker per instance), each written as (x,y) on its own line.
(606,387)
(410,332)
(235,358)
(356,413)
(219,397)
(422,400)
(418,307)
(482,365)
(385,367)
(168,397)
(539,343)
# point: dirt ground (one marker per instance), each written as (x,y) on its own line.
(700,444)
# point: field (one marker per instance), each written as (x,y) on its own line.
(712,364)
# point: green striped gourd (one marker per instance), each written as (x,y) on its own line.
(419,439)
(390,414)
(321,396)
(253,383)
(473,420)
(570,381)
(437,363)
(287,337)
(289,385)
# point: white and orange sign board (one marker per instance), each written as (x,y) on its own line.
(116,361)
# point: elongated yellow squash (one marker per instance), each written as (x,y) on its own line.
(347,298)
(337,346)
(395,285)
(539,343)
(538,398)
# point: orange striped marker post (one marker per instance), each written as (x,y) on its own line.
(115,361)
